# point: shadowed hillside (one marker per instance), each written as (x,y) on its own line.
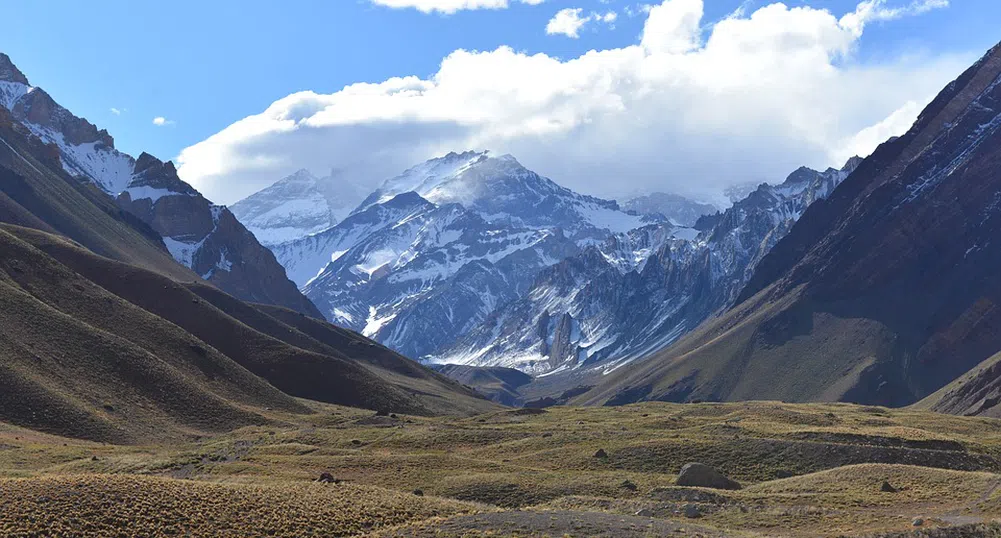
(881,294)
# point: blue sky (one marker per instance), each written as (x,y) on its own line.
(205,65)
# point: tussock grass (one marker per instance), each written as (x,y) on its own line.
(122,505)
(523,465)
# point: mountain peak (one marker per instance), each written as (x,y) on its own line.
(300,175)
(852,164)
(146,161)
(9,72)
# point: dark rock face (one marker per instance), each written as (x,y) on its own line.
(704,476)
(39,108)
(889,289)
(564,350)
(9,72)
(208,238)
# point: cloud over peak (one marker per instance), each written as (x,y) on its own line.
(689,108)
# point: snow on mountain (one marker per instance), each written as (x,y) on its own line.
(637,292)
(297,206)
(200,235)
(435,250)
(501,190)
(414,275)
(674,208)
(85,151)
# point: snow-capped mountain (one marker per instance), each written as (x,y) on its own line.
(503,191)
(414,275)
(638,292)
(673,207)
(200,235)
(297,206)
(434,251)
(84,150)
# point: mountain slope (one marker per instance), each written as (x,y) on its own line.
(640,291)
(35,192)
(414,275)
(133,347)
(673,207)
(292,361)
(436,250)
(501,190)
(297,206)
(882,294)
(200,235)
(82,362)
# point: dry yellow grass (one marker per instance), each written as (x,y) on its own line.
(127,505)
(533,468)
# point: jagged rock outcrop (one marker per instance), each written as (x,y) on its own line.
(208,238)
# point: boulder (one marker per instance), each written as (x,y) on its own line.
(703,476)
(328,478)
(601,453)
(887,488)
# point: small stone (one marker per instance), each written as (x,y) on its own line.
(692,511)
(887,488)
(917,522)
(646,512)
(327,478)
(601,453)
(626,484)
(419,492)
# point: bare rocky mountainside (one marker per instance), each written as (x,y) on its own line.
(882,294)
(202,236)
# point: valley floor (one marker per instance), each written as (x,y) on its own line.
(807,470)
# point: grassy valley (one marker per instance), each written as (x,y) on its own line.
(806,470)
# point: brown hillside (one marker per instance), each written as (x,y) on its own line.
(330,377)
(882,294)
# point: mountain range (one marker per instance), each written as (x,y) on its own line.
(883,293)
(870,283)
(434,251)
(107,336)
(202,236)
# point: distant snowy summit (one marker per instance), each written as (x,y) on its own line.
(500,189)
(299,205)
(435,250)
(674,208)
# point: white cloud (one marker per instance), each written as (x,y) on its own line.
(160,121)
(116,111)
(449,6)
(569,21)
(690,108)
